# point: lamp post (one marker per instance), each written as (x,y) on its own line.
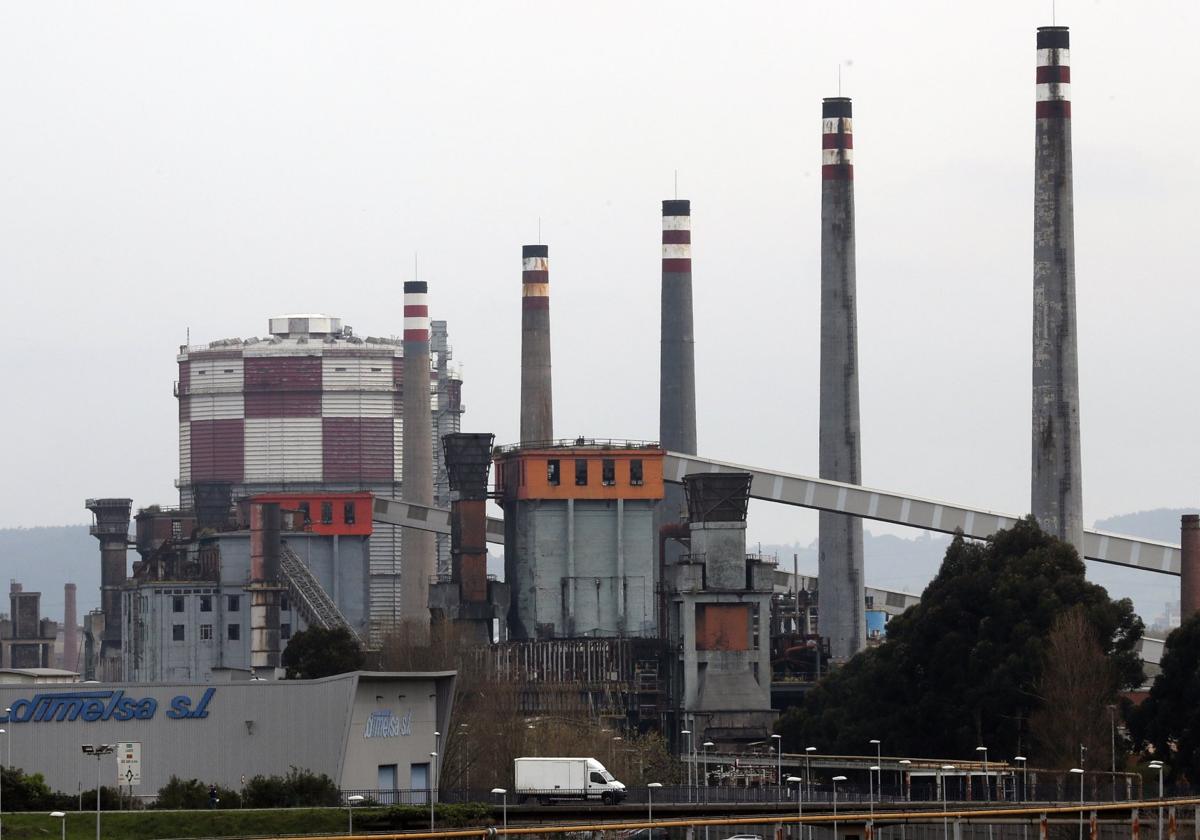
(437,750)
(808,751)
(1158,765)
(1112,714)
(987,784)
(777,740)
(351,801)
(432,775)
(1020,759)
(900,774)
(650,806)
(61,815)
(875,742)
(871,771)
(797,781)
(836,779)
(942,785)
(688,733)
(708,745)
(504,793)
(1079,772)
(2,768)
(8,738)
(99,751)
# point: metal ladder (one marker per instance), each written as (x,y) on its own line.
(309,596)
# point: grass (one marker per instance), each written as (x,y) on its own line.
(153,825)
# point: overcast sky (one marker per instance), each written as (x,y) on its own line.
(167,167)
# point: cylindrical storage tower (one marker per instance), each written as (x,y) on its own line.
(842,617)
(1057,485)
(537,399)
(1189,566)
(418,547)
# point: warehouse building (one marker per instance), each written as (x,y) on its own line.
(368,731)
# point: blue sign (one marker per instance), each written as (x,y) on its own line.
(384,724)
(94,706)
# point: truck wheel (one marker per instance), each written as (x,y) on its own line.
(607,798)
(543,800)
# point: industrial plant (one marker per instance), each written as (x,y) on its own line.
(325,480)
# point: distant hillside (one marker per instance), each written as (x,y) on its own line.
(43,559)
(1159,524)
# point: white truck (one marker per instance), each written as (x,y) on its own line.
(550,779)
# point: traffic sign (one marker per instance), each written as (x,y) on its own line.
(129,763)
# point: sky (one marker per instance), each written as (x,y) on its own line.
(178,169)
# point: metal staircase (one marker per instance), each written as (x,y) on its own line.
(309,596)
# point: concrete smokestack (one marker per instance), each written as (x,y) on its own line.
(265,588)
(842,616)
(1189,566)
(417,548)
(1057,497)
(677,357)
(70,629)
(537,401)
(111,528)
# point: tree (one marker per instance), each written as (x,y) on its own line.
(1169,719)
(962,668)
(317,652)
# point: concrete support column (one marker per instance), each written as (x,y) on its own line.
(570,593)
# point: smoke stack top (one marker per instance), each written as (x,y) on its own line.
(837,139)
(535,276)
(1053,72)
(416,310)
(677,236)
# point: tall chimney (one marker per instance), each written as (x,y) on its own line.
(1189,566)
(537,403)
(111,528)
(1057,497)
(265,585)
(70,629)
(842,616)
(417,548)
(677,357)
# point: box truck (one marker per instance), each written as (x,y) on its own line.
(550,779)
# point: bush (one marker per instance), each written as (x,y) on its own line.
(29,792)
(178,794)
(297,789)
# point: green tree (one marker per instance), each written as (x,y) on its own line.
(317,652)
(1169,719)
(183,794)
(962,668)
(299,788)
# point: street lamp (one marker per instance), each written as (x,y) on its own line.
(778,741)
(836,779)
(904,790)
(688,733)
(1158,765)
(942,785)
(351,801)
(99,751)
(1024,776)
(987,784)
(433,774)
(504,793)
(871,771)
(62,816)
(1079,772)
(808,770)
(437,750)
(650,805)
(796,780)
(2,732)
(878,760)
(708,745)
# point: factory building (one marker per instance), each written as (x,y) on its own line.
(310,408)
(367,731)
(580,543)
(26,639)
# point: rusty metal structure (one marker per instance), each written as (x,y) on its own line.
(111,528)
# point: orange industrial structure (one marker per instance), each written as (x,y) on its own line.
(327,514)
(580,469)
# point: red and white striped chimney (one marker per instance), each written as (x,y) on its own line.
(417,548)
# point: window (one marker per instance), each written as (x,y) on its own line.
(305,514)
(596,778)
(608,472)
(206,633)
(233,632)
(283,603)
(205,603)
(580,472)
(285,630)
(326,513)
(177,604)
(233,603)
(635,472)
(177,632)
(348,513)
(552,472)
(176,529)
